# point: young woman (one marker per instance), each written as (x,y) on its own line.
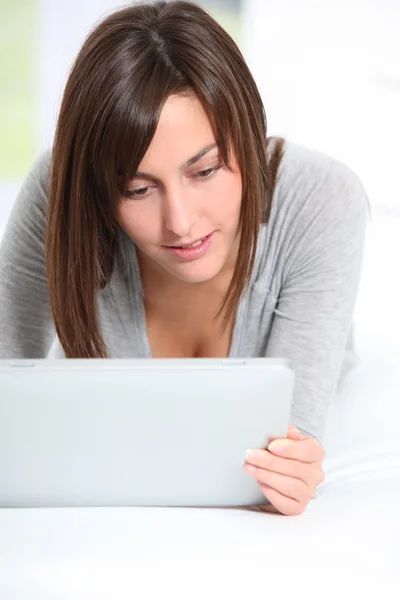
(164,223)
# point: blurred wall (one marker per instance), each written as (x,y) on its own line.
(39,40)
(328,70)
(329,73)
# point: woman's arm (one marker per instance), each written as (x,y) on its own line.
(323,250)
(315,307)
(26,326)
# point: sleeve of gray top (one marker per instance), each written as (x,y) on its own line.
(313,316)
(26,325)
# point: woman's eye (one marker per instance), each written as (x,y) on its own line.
(137,193)
(143,191)
(207,173)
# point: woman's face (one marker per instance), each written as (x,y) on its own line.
(183,193)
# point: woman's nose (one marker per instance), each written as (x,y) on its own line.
(179,213)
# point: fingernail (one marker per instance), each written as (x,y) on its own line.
(250,468)
(254,453)
(277,448)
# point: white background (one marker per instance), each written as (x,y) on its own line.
(328,71)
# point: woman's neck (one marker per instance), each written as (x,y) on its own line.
(161,289)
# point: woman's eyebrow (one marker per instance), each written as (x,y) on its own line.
(188,163)
(199,155)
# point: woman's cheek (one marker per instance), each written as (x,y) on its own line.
(140,221)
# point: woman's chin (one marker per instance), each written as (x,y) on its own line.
(197,271)
(196,275)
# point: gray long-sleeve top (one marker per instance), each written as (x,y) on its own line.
(299,304)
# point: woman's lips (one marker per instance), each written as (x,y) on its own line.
(192,252)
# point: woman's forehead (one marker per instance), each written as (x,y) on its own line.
(183,133)
(182,116)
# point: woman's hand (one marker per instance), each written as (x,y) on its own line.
(288,478)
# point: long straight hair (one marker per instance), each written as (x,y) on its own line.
(129,64)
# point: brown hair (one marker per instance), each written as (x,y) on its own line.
(127,68)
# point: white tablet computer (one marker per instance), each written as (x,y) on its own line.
(140,432)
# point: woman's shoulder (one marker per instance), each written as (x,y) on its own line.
(34,191)
(317,197)
(31,202)
(304,169)
(40,169)
(312,183)
(27,221)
